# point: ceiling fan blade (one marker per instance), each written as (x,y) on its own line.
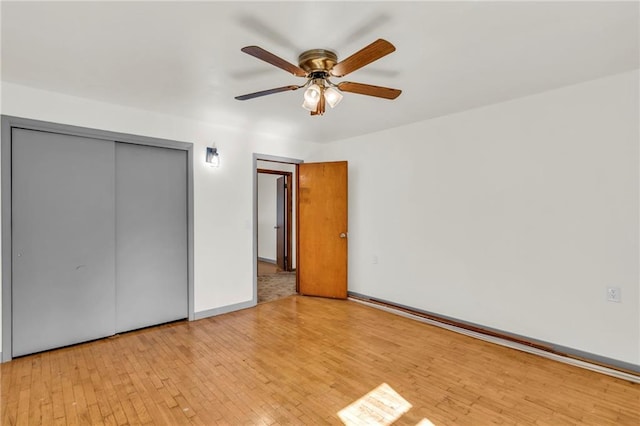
(369,90)
(266,92)
(372,52)
(272,59)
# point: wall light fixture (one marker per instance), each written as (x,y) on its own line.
(213,157)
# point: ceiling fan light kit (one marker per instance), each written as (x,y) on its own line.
(332,96)
(317,66)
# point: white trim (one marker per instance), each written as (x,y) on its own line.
(224,309)
(509,344)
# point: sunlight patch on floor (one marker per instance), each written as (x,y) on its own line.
(381,406)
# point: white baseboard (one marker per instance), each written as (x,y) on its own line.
(224,309)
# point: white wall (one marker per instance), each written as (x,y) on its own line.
(267,216)
(223,206)
(515,216)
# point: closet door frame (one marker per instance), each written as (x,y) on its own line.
(10,122)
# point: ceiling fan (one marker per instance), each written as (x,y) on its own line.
(317,66)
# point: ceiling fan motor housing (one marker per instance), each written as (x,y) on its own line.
(317,60)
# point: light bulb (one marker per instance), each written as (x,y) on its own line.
(312,94)
(311,97)
(310,106)
(332,96)
(213,157)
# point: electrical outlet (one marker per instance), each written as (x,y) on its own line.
(613,294)
(374,259)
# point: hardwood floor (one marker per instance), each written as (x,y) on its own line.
(266,268)
(303,360)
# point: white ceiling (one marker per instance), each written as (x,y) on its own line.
(184,58)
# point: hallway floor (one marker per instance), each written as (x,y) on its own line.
(273,283)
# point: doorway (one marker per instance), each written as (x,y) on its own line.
(275,218)
(275,224)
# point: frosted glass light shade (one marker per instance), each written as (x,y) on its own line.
(213,157)
(312,94)
(312,97)
(310,106)
(332,96)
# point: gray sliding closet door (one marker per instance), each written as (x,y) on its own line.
(63,210)
(151,236)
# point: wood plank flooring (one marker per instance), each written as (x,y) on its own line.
(266,268)
(303,360)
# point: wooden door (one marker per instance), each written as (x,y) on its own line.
(280,223)
(322,229)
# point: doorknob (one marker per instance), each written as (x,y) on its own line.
(343,235)
(276,227)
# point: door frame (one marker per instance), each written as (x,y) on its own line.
(254,174)
(288,210)
(9,122)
